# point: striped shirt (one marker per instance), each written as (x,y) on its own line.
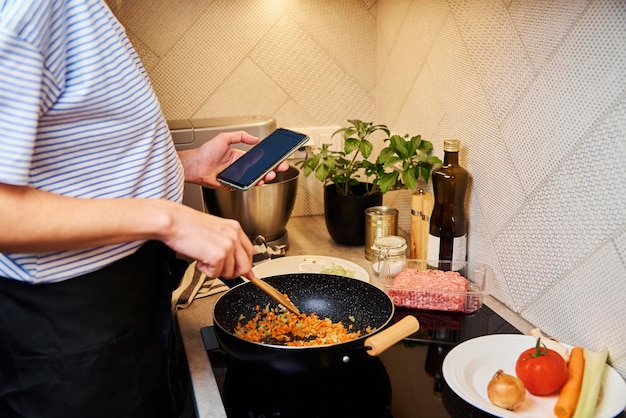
(78,117)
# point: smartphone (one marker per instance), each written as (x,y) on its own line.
(264,156)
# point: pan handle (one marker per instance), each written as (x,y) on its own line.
(384,339)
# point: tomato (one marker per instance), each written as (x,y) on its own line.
(543,371)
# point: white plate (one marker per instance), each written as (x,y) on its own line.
(310,264)
(469,367)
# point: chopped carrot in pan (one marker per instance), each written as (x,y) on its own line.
(278,326)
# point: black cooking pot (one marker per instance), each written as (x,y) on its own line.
(334,297)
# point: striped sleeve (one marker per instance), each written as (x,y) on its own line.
(20,84)
(78,117)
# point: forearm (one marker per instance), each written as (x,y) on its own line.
(37,221)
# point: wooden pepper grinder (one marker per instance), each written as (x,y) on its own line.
(417,199)
(422,204)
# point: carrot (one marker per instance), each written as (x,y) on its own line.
(292,329)
(568,398)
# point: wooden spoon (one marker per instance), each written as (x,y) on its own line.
(272,292)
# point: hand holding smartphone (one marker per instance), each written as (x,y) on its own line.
(261,158)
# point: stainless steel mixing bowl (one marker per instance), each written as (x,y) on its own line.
(261,210)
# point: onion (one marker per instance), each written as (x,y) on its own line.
(506,391)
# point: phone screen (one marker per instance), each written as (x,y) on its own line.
(261,158)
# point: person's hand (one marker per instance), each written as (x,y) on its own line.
(220,246)
(203,164)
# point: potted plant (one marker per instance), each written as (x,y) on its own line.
(354,180)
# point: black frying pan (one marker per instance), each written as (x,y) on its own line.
(331,296)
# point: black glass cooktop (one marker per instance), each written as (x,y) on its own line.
(405,381)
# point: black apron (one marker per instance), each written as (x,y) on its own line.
(98,345)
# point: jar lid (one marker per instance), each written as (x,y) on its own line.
(381,210)
(392,244)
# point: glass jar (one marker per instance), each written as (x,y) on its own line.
(392,248)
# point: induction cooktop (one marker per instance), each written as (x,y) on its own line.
(405,381)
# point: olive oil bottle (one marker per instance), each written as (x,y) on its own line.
(447,238)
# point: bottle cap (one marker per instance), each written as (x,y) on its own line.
(451,145)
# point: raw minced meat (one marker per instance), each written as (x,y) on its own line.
(429,289)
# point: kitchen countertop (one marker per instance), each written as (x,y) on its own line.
(307,235)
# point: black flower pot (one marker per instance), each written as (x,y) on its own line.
(345,215)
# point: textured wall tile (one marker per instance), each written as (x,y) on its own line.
(369,4)
(620,238)
(344,31)
(405,60)
(497,53)
(572,91)
(248,90)
(146,20)
(293,114)
(480,247)
(586,307)
(209,51)
(422,111)
(390,20)
(577,209)
(542,25)
(310,198)
(309,75)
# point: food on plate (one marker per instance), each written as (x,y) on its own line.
(595,363)
(429,289)
(506,391)
(280,327)
(542,370)
(568,398)
(339,271)
(551,344)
